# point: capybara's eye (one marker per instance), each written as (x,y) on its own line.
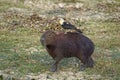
(49,35)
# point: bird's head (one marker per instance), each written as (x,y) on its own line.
(61,21)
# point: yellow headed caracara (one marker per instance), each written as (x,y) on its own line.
(67,25)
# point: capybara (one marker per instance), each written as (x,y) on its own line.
(65,45)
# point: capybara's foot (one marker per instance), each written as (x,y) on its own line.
(90,63)
(82,67)
(53,68)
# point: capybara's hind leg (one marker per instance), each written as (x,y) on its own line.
(54,65)
(90,63)
(84,62)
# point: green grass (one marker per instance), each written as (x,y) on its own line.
(107,53)
(5,4)
(21,52)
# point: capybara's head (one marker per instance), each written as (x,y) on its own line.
(47,37)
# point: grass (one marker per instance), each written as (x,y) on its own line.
(107,53)
(21,53)
(5,4)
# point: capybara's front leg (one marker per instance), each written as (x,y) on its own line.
(82,67)
(54,65)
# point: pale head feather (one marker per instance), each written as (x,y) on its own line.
(61,21)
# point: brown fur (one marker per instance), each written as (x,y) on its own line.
(71,44)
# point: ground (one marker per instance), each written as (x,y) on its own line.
(23,21)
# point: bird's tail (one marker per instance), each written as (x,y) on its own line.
(78,30)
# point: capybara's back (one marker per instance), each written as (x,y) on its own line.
(83,43)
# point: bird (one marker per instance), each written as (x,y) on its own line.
(67,25)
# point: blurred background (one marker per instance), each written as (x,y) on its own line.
(23,21)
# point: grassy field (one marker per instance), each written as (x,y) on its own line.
(21,52)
